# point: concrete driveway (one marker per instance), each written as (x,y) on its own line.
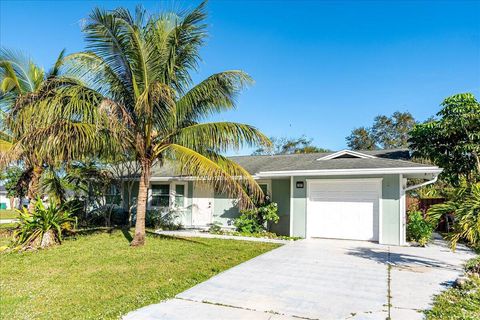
(320,279)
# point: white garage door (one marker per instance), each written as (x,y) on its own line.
(343,208)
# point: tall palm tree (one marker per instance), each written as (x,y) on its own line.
(142,64)
(49,117)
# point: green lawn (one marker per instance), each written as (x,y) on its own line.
(99,276)
(8,214)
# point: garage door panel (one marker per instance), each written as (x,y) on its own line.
(340,210)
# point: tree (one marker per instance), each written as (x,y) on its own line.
(285,145)
(142,65)
(15,187)
(452,139)
(361,139)
(49,117)
(386,133)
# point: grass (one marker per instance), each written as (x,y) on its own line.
(458,303)
(99,276)
(8,214)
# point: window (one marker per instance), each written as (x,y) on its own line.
(160,195)
(179,195)
(113,195)
(264,188)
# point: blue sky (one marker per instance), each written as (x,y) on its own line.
(321,68)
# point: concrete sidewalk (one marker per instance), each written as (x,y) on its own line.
(321,279)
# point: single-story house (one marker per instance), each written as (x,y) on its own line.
(347,194)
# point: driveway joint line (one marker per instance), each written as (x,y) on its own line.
(272,312)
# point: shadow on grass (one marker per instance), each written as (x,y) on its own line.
(168,237)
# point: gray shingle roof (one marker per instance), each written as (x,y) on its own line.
(255,164)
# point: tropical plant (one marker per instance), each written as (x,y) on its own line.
(49,117)
(257,219)
(418,229)
(142,65)
(43,227)
(465,205)
(452,140)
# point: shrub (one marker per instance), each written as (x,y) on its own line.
(43,227)
(473,265)
(160,219)
(258,219)
(465,205)
(418,229)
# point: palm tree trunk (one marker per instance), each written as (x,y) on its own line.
(33,187)
(139,238)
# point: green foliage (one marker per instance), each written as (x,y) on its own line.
(465,205)
(418,229)
(12,180)
(290,146)
(160,219)
(361,139)
(257,220)
(473,265)
(452,141)
(43,227)
(459,302)
(386,133)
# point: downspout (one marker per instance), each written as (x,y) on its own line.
(403,210)
(426,183)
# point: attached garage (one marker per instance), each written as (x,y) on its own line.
(344,208)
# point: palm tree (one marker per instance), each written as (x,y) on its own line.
(142,65)
(48,117)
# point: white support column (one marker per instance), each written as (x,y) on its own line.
(291,207)
(403,211)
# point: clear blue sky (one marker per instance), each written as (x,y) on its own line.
(321,68)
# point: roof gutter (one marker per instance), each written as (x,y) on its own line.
(426,183)
(329,172)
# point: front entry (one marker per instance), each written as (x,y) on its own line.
(202,204)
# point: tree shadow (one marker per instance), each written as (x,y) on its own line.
(171,237)
(126,233)
(399,259)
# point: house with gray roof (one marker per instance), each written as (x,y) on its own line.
(357,195)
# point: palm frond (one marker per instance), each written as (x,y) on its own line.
(220,136)
(190,162)
(215,94)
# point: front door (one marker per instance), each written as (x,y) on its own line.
(202,204)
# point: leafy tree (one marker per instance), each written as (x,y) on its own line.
(452,140)
(361,139)
(386,133)
(290,146)
(142,65)
(12,180)
(42,123)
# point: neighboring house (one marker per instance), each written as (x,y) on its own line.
(344,195)
(4,199)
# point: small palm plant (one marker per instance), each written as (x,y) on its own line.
(43,227)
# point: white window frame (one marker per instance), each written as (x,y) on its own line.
(173,191)
(171,194)
(268,183)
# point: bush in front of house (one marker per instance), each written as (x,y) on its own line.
(258,219)
(159,219)
(44,227)
(418,229)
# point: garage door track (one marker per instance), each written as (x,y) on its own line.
(321,279)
